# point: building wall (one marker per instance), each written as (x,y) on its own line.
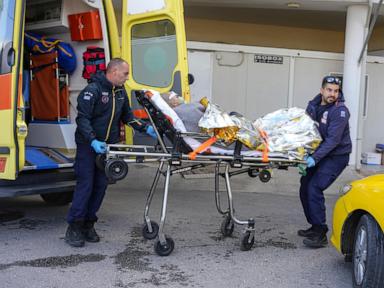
(253,34)
(263,35)
(274,32)
(373,131)
(377,39)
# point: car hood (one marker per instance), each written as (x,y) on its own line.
(374,183)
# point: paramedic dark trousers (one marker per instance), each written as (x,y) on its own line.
(91,184)
(318,179)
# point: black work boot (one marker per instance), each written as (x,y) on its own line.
(89,232)
(319,239)
(306,233)
(74,235)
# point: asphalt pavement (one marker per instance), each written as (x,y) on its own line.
(34,254)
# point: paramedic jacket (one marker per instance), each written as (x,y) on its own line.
(333,126)
(100,108)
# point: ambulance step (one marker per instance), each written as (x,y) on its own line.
(23,190)
(39,182)
(40,158)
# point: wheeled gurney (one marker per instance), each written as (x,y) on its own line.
(176,159)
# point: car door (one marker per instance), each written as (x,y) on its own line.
(153,42)
(12,127)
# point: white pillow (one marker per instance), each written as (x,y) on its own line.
(163,106)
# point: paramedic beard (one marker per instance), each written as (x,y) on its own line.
(329,93)
(330,99)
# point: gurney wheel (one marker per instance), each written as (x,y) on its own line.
(253,173)
(164,250)
(245,244)
(150,235)
(116,169)
(265,176)
(100,161)
(227,226)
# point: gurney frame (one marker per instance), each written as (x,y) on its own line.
(170,162)
(120,156)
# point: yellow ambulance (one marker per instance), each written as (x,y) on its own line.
(36,156)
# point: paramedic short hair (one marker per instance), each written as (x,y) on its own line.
(114,63)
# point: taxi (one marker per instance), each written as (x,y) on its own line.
(358,225)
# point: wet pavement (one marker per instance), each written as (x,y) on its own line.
(34,254)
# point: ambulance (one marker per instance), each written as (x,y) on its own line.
(37,144)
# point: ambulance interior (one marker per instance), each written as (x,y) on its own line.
(50,116)
(49,91)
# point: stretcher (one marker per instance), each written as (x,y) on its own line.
(176,159)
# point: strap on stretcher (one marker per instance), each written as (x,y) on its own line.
(264,136)
(265,157)
(192,155)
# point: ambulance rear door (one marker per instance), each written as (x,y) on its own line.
(12,126)
(154,44)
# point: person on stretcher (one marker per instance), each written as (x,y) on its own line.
(185,118)
(192,113)
(189,113)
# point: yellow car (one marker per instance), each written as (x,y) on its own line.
(358,225)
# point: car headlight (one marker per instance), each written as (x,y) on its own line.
(345,189)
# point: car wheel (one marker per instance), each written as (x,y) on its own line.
(368,254)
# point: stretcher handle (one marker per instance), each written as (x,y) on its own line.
(192,155)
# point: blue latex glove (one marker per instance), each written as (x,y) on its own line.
(151,132)
(310,162)
(98,146)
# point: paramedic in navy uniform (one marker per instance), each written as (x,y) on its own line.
(100,106)
(328,160)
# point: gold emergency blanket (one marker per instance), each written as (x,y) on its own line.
(288,131)
(247,133)
(218,123)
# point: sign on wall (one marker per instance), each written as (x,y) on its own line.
(268,59)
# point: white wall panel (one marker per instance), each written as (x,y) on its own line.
(200,65)
(308,75)
(374,121)
(267,86)
(229,81)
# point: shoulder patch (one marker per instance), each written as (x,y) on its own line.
(87,95)
(343,114)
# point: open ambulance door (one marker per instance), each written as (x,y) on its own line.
(12,126)
(153,43)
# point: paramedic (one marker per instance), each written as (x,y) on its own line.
(189,113)
(101,106)
(328,160)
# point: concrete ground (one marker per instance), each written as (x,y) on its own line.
(33,252)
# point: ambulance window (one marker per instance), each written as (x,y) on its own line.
(7,8)
(154,53)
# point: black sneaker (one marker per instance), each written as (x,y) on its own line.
(74,235)
(317,241)
(89,232)
(306,233)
